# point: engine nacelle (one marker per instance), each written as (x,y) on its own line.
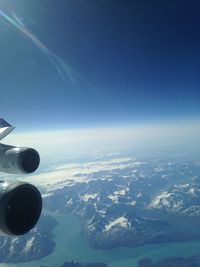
(20,207)
(18,159)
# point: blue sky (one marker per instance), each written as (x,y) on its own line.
(126,62)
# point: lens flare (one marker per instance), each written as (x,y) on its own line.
(62,68)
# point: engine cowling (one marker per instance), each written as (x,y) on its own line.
(20,207)
(18,159)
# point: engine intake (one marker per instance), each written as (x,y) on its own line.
(20,207)
(18,159)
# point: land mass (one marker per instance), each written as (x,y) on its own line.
(37,244)
(78,264)
(172,262)
(132,203)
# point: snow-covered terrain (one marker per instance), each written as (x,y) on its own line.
(120,202)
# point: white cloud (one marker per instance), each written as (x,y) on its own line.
(72,173)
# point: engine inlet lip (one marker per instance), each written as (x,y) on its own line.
(22,206)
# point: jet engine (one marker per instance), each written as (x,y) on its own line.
(20,207)
(18,159)
(20,202)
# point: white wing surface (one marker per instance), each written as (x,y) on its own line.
(5,128)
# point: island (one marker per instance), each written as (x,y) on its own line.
(193,261)
(78,264)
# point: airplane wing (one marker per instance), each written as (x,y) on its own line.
(5,128)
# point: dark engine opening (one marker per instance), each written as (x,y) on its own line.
(30,160)
(23,209)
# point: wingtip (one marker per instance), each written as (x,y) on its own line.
(5,128)
(4,123)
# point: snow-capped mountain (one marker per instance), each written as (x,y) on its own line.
(120,206)
(120,202)
(34,245)
(183,199)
